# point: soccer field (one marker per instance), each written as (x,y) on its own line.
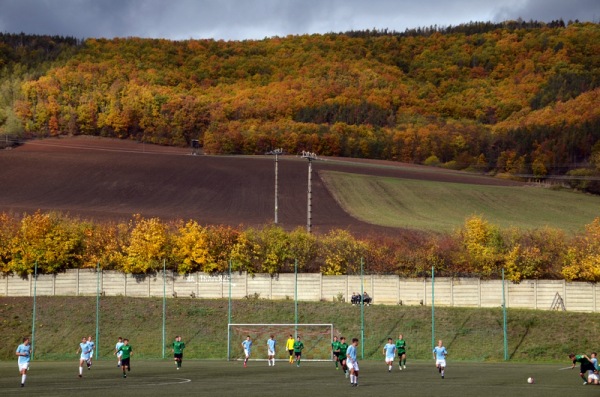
(221,378)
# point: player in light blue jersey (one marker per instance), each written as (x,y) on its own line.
(24,353)
(352,362)
(118,352)
(91,346)
(389,350)
(84,349)
(439,354)
(271,350)
(247,345)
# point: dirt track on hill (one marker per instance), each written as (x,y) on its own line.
(108,179)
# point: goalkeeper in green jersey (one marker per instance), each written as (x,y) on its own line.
(335,349)
(178,347)
(298,347)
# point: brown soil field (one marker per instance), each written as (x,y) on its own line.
(109,179)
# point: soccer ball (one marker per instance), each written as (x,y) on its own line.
(530,380)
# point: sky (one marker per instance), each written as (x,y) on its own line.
(258,19)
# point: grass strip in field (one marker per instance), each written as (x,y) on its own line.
(444,206)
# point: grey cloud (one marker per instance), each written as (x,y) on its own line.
(256,19)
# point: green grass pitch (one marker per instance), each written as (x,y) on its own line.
(221,378)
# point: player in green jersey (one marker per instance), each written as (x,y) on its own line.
(298,347)
(342,355)
(335,349)
(401,349)
(178,347)
(585,365)
(126,353)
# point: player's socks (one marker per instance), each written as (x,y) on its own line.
(23,377)
(80,371)
(389,368)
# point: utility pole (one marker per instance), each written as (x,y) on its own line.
(310,157)
(276,153)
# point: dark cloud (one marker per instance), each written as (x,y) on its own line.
(256,19)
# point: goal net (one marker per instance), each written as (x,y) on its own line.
(317,340)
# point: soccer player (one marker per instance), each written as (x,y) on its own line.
(389,350)
(342,357)
(84,349)
(247,346)
(118,352)
(439,354)
(289,345)
(335,349)
(592,378)
(298,347)
(352,362)
(126,353)
(401,349)
(24,353)
(585,364)
(178,347)
(91,346)
(271,350)
(594,360)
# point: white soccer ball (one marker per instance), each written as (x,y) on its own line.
(530,380)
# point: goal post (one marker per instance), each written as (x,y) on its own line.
(317,340)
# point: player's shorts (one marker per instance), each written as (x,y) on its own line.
(178,355)
(336,354)
(270,352)
(592,377)
(291,351)
(440,363)
(247,352)
(584,367)
(298,354)
(352,364)
(389,358)
(24,366)
(84,356)
(125,362)
(400,354)
(119,354)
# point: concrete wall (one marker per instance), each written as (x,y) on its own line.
(390,290)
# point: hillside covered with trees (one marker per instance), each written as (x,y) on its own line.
(521,98)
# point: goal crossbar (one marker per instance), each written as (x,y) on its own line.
(291,329)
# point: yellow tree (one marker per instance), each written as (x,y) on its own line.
(47,239)
(8,229)
(340,253)
(191,248)
(148,246)
(483,246)
(582,261)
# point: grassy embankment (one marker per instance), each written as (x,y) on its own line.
(439,206)
(469,334)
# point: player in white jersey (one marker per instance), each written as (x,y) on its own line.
(24,353)
(352,363)
(84,349)
(271,350)
(389,350)
(118,352)
(439,354)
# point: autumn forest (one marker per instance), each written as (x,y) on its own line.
(520,98)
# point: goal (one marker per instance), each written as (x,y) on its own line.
(316,338)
